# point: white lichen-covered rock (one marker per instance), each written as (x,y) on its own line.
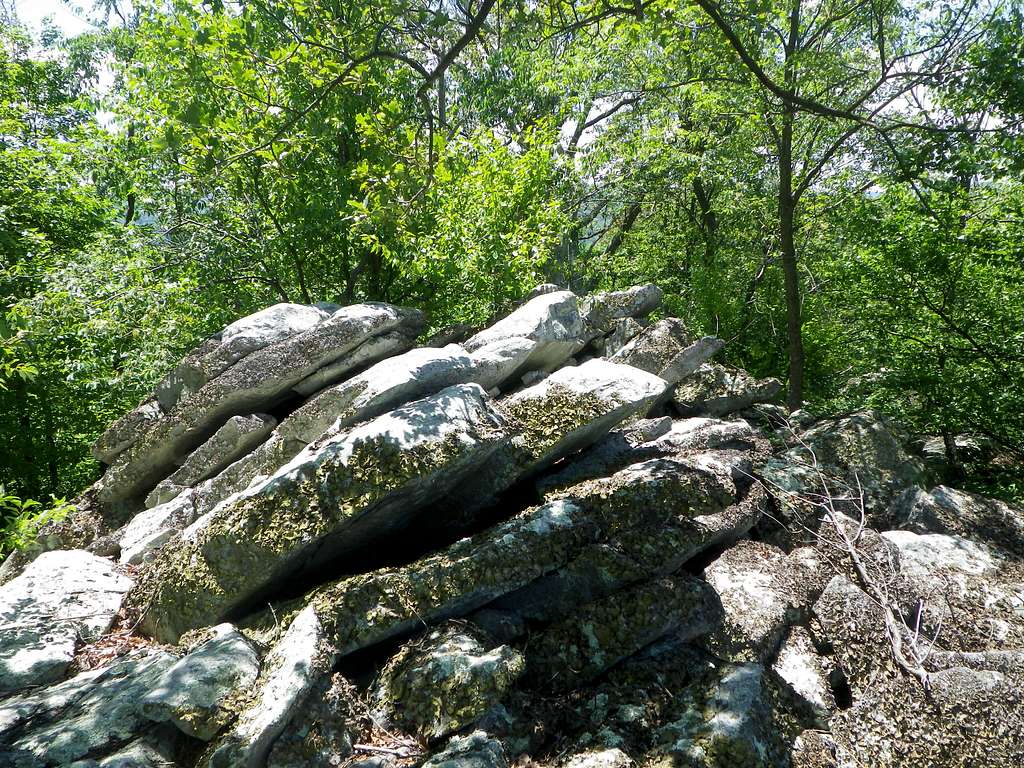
(369,608)
(496,362)
(805,671)
(329,500)
(602,633)
(924,554)
(754,610)
(371,351)
(598,758)
(239,339)
(477,750)
(716,390)
(600,310)
(62,599)
(960,513)
(575,406)
(858,461)
(152,528)
(196,692)
(733,725)
(257,382)
(92,713)
(380,388)
(655,346)
(149,751)
(551,321)
(445,681)
(318,734)
(300,659)
(238,436)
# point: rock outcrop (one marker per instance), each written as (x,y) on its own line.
(566,539)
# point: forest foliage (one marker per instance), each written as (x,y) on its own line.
(835,187)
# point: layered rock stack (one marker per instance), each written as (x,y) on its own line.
(568,539)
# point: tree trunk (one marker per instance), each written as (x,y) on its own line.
(787,215)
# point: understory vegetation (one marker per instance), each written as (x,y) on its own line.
(833,187)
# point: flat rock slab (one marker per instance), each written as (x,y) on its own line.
(716,390)
(238,436)
(603,633)
(575,406)
(61,599)
(445,681)
(380,388)
(256,383)
(300,660)
(92,713)
(196,692)
(360,611)
(552,322)
(329,500)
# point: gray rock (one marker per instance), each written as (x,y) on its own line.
(91,713)
(151,529)
(495,362)
(734,727)
(623,331)
(151,751)
(239,339)
(297,663)
(445,681)
(601,309)
(598,758)
(369,608)
(925,554)
(380,388)
(195,694)
(256,383)
(857,460)
(61,599)
(573,407)
(329,500)
(603,633)
(238,436)
(371,351)
(960,513)
(805,671)
(123,433)
(655,346)
(318,734)
(477,750)
(716,390)
(551,321)
(689,359)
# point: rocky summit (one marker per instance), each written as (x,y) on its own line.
(567,539)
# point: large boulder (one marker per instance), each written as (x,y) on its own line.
(62,599)
(961,513)
(257,382)
(199,692)
(445,681)
(325,504)
(716,390)
(93,713)
(551,321)
(857,463)
(238,436)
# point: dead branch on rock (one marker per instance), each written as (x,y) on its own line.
(904,641)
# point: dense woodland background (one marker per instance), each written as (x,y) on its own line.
(835,187)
